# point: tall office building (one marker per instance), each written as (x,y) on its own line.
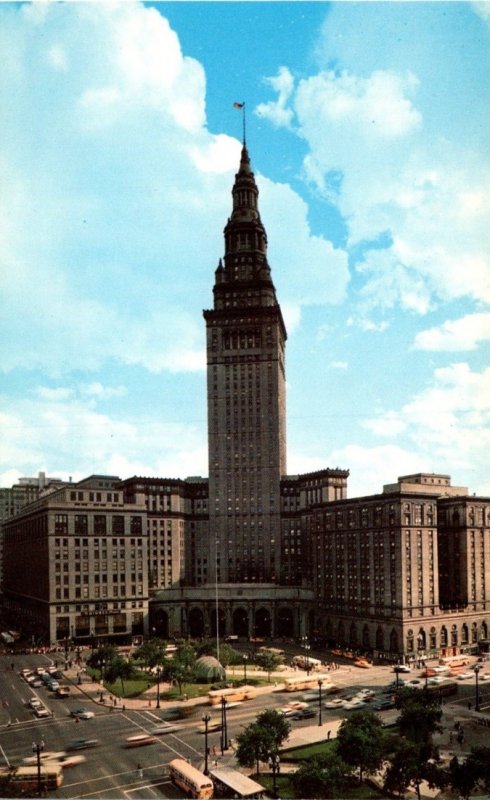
(246,399)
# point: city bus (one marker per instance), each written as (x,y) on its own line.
(454,661)
(309,682)
(27,778)
(307,662)
(189,779)
(233,695)
(228,782)
(274,651)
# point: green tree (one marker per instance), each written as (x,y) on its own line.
(178,671)
(268,662)
(322,776)
(361,741)
(277,724)
(119,669)
(412,763)
(102,657)
(151,653)
(420,716)
(254,744)
(471,773)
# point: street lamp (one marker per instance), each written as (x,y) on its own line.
(320,684)
(307,650)
(206,719)
(224,733)
(37,748)
(245,659)
(477,693)
(159,672)
(274,763)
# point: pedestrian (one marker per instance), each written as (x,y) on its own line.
(328,734)
(140,770)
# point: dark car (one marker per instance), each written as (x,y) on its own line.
(382,705)
(304,713)
(82,744)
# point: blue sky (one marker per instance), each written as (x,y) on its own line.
(367,125)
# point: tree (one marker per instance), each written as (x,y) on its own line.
(276,723)
(321,776)
(361,741)
(412,763)
(465,776)
(268,662)
(151,653)
(102,657)
(178,671)
(119,669)
(420,716)
(254,744)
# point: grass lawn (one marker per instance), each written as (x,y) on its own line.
(353,791)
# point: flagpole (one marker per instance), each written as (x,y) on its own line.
(241,107)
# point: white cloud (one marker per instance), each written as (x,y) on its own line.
(461,334)
(104,169)
(276,111)
(446,424)
(101,392)
(66,429)
(418,205)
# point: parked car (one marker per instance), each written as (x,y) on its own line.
(53,686)
(63,691)
(34,702)
(401,668)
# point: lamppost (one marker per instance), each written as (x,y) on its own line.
(159,672)
(477,693)
(320,684)
(37,748)
(245,659)
(274,763)
(224,733)
(206,719)
(307,651)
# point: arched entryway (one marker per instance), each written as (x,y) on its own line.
(240,622)
(394,642)
(263,622)
(159,624)
(196,623)
(285,622)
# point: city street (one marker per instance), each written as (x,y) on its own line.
(112,769)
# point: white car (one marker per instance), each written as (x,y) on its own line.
(45,755)
(401,668)
(485,676)
(34,702)
(464,676)
(440,668)
(42,711)
(161,730)
(70,760)
(366,694)
(438,679)
(338,702)
(355,704)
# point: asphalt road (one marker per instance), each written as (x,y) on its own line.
(111,769)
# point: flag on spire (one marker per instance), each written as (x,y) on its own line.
(238,105)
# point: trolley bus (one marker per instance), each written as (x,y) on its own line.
(309,682)
(27,778)
(231,695)
(189,779)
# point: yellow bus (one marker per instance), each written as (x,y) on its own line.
(189,779)
(234,695)
(27,778)
(309,682)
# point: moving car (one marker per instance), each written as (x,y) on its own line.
(464,676)
(139,740)
(383,705)
(72,760)
(304,713)
(82,713)
(163,729)
(401,668)
(81,744)
(45,755)
(338,702)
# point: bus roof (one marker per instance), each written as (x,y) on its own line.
(240,784)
